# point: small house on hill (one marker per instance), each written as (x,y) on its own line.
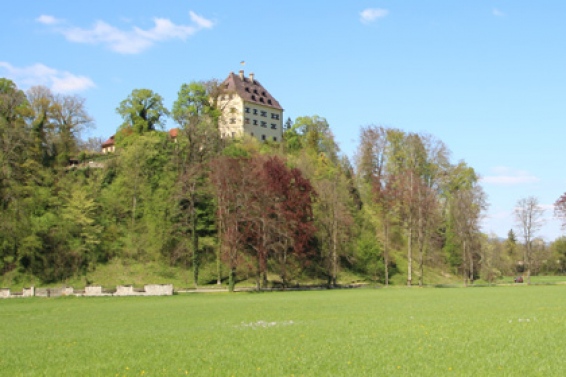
(109,145)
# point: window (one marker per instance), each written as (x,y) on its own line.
(232,120)
(274,138)
(247,89)
(263,137)
(247,121)
(232,110)
(255,91)
(264,124)
(274,116)
(264,113)
(261,99)
(273,126)
(255,111)
(247,110)
(269,101)
(253,97)
(255,122)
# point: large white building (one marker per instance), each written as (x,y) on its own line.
(248,108)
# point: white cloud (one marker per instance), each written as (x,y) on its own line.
(137,39)
(371,14)
(201,21)
(503,175)
(497,13)
(40,74)
(48,20)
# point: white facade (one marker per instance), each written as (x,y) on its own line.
(247,108)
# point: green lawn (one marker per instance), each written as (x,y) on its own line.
(498,331)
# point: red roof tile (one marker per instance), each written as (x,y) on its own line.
(109,142)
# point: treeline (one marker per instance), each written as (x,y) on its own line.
(280,212)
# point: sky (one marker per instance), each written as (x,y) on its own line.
(486,77)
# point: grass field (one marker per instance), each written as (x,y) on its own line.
(498,331)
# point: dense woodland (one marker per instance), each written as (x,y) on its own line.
(278,212)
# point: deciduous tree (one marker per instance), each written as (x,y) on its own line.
(529,218)
(143,111)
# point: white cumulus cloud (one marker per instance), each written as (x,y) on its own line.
(137,39)
(48,20)
(503,175)
(371,14)
(40,74)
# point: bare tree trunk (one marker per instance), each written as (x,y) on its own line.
(464,262)
(334,252)
(410,258)
(284,267)
(134,202)
(386,252)
(258,273)
(421,266)
(218,264)
(528,263)
(196,256)
(219,249)
(470,254)
(231,279)
(421,252)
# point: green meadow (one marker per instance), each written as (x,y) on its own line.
(487,331)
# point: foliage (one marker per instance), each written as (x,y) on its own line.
(142,111)
(279,213)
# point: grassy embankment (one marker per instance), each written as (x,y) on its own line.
(127,272)
(393,332)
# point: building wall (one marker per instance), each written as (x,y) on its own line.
(231,120)
(109,149)
(263,122)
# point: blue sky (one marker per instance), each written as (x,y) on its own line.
(488,78)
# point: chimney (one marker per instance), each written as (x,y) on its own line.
(252,78)
(241,74)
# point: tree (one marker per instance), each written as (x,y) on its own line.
(510,247)
(381,187)
(528,215)
(558,248)
(314,135)
(70,119)
(142,111)
(79,214)
(229,181)
(42,127)
(288,221)
(14,155)
(560,209)
(264,208)
(199,140)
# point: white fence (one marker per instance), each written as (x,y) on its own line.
(91,291)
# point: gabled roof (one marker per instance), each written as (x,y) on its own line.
(249,89)
(109,142)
